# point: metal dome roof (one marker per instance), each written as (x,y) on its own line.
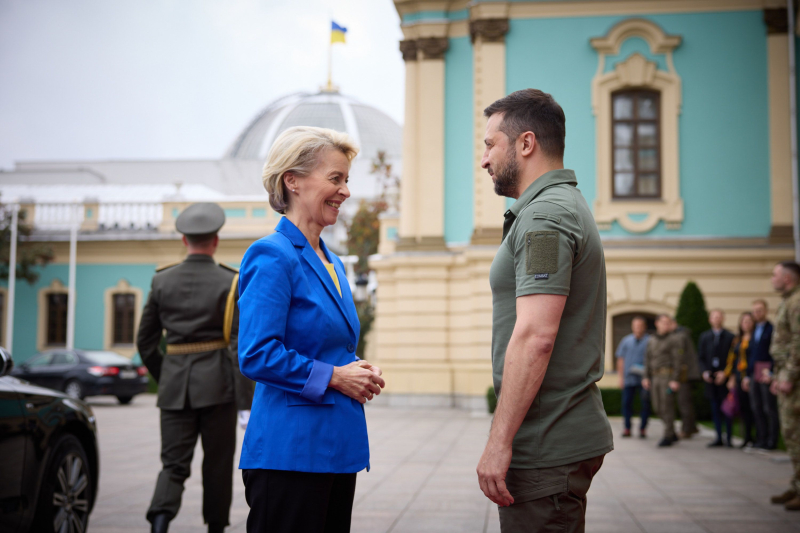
(372,129)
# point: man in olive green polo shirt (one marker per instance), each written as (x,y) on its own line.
(550,432)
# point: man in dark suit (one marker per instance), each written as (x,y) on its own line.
(712,352)
(764,403)
(199,383)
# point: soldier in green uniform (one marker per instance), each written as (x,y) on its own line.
(662,370)
(785,351)
(199,383)
(690,372)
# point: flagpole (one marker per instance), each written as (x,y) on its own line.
(329,87)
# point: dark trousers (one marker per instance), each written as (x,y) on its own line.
(765,414)
(216,426)
(745,411)
(716,394)
(298,502)
(628,394)
(549,499)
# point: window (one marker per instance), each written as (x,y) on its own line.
(42,360)
(64,358)
(56,319)
(124,316)
(636,144)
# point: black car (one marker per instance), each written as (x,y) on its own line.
(49,461)
(82,373)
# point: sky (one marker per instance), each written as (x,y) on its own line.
(177,79)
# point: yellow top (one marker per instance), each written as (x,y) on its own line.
(334,277)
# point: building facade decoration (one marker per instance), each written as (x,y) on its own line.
(638,72)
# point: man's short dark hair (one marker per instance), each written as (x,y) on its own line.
(639,317)
(792,267)
(200,240)
(762,302)
(536,111)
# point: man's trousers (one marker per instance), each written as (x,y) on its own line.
(686,408)
(765,414)
(216,426)
(664,402)
(789,405)
(549,499)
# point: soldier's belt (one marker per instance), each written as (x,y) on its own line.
(196,347)
(664,371)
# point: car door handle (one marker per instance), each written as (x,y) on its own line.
(29,406)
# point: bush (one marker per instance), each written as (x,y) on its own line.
(491,399)
(691,312)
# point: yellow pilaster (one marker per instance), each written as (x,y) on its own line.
(408,189)
(489,84)
(780,152)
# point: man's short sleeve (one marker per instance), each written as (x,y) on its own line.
(545,242)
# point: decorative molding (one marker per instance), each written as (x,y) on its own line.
(489,30)
(55,287)
(122,287)
(422,244)
(433,47)
(660,42)
(776,20)
(592,8)
(781,235)
(637,71)
(483,236)
(408,48)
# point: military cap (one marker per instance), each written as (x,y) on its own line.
(200,219)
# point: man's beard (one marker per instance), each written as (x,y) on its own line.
(506,175)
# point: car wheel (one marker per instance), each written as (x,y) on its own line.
(74,389)
(124,400)
(67,491)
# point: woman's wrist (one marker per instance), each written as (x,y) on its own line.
(334,382)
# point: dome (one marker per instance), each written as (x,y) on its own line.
(372,129)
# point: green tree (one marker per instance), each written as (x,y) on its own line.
(692,313)
(364,233)
(30,255)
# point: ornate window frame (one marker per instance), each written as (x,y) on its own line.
(55,287)
(122,287)
(637,72)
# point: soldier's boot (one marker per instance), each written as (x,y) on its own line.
(216,528)
(160,523)
(784,498)
(793,504)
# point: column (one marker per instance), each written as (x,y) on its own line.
(780,152)
(489,77)
(408,202)
(430,143)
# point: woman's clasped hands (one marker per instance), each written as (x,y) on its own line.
(359,380)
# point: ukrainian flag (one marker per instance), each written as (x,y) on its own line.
(337,33)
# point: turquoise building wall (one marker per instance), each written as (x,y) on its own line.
(91,282)
(724,124)
(458,139)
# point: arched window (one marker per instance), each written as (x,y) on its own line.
(636,134)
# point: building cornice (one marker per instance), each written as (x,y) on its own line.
(489,30)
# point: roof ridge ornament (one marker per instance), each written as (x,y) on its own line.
(659,41)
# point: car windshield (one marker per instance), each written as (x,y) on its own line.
(106,358)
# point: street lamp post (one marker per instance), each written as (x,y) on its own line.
(12,278)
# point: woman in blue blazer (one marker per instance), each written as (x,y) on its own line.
(298,331)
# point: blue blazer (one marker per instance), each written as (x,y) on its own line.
(293,329)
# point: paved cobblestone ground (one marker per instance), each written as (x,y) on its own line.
(423,480)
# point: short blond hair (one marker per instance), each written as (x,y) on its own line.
(297,150)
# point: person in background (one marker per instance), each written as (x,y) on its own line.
(712,352)
(736,374)
(630,367)
(759,371)
(662,367)
(785,352)
(690,372)
(200,388)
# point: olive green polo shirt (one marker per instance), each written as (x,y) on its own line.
(551,246)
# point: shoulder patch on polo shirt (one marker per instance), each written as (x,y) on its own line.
(541,253)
